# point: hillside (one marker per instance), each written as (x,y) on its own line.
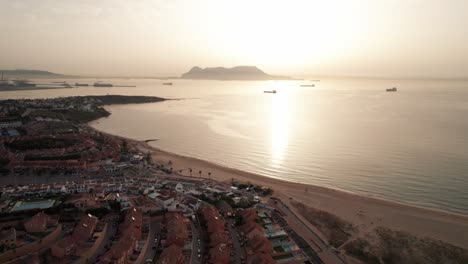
(20,73)
(234,73)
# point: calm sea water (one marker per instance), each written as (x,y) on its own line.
(410,146)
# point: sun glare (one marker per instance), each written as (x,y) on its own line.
(283,33)
(279,125)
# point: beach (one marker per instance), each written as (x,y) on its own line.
(364,212)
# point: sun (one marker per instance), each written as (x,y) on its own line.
(288,33)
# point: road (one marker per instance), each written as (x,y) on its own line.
(326,253)
(238,251)
(195,247)
(154,229)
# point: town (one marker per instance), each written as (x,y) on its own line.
(71,194)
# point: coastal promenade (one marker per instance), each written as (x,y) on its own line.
(300,226)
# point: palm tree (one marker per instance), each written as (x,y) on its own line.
(190,172)
(199,172)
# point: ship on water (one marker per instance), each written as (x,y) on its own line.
(393,89)
(272,91)
(24,83)
(101,84)
(7,84)
(167,83)
(81,84)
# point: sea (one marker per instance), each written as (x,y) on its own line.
(409,146)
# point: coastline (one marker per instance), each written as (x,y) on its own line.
(362,211)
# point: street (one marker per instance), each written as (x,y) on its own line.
(238,251)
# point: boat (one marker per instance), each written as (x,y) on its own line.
(307,85)
(167,83)
(273,91)
(100,84)
(24,83)
(394,89)
(81,84)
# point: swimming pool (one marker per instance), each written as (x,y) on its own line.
(24,206)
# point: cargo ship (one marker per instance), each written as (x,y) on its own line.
(101,84)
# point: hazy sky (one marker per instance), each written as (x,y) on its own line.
(297,38)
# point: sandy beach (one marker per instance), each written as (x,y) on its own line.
(364,212)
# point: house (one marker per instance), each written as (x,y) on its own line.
(260,259)
(165,198)
(259,244)
(65,247)
(217,232)
(39,223)
(8,238)
(251,229)
(177,231)
(220,254)
(224,208)
(120,252)
(172,255)
(12,124)
(129,235)
(249,215)
(85,228)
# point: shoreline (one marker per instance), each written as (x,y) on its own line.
(362,211)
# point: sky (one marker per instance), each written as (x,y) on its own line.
(382,38)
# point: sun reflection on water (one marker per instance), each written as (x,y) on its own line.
(279,126)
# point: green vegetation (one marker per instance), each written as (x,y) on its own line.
(336,229)
(123,99)
(390,247)
(73,156)
(278,249)
(81,116)
(360,249)
(280,257)
(98,212)
(4,161)
(230,201)
(42,143)
(115,206)
(264,191)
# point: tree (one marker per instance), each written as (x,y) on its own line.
(190,172)
(199,172)
(209,174)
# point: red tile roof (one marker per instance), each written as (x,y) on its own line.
(176,225)
(37,223)
(260,244)
(249,214)
(171,255)
(261,259)
(220,254)
(85,228)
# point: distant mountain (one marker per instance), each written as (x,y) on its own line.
(234,73)
(29,74)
